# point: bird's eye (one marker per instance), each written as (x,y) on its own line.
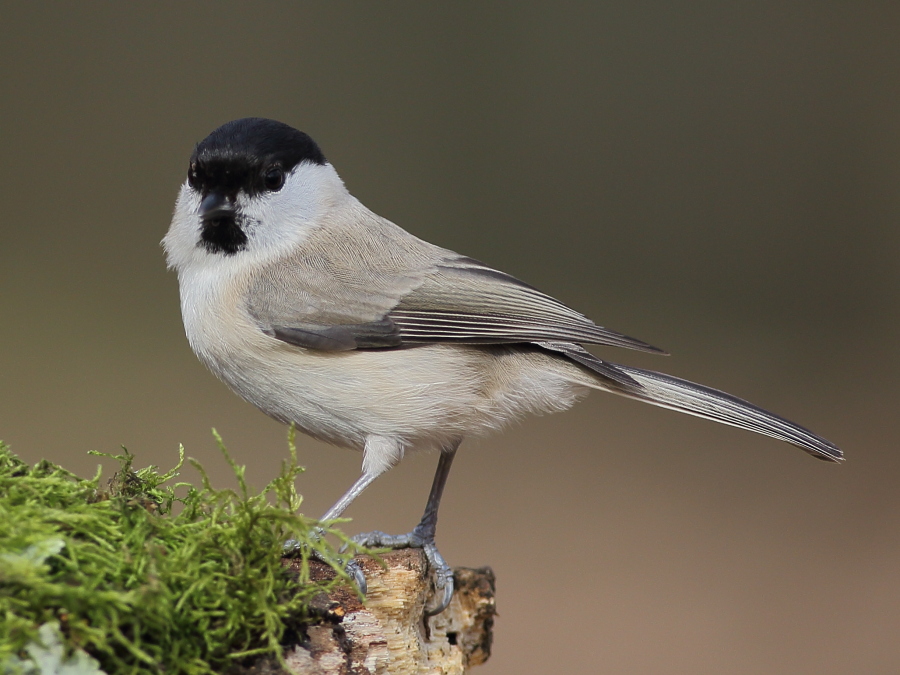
(273,178)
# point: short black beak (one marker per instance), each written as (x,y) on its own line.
(215,206)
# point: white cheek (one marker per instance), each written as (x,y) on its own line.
(278,222)
(180,242)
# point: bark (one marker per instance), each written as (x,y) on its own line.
(388,633)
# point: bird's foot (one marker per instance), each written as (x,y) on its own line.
(350,566)
(443,574)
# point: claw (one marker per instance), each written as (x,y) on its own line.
(445,601)
(443,577)
(356,573)
(351,567)
(443,574)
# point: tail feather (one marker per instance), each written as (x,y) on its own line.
(696,399)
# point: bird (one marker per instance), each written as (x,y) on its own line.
(331,318)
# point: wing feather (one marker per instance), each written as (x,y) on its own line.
(400,291)
(461,300)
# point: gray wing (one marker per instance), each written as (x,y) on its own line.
(461,300)
(454,300)
(396,291)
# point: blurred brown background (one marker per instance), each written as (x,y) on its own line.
(720,179)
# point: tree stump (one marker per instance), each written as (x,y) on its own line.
(389,634)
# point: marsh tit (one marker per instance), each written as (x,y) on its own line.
(327,316)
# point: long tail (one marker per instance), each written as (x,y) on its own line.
(695,399)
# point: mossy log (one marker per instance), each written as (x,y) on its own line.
(111,580)
(389,633)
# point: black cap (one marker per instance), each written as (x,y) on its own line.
(236,155)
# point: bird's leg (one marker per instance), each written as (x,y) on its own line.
(379,454)
(355,491)
(335,511)
(423,534)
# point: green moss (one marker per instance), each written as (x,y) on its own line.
(146,575)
